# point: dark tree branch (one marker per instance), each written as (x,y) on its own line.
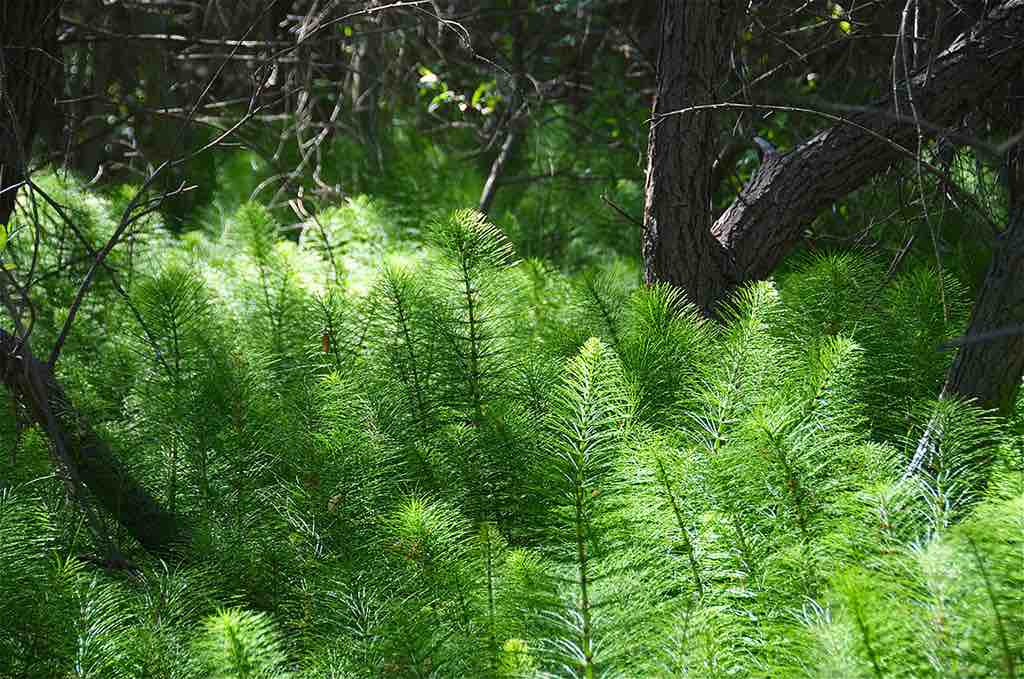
(759,228)
(86,455)
(497,168)
(788,191)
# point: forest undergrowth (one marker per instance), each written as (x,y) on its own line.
(425,457)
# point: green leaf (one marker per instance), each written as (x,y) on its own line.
(428,78)
(5,236)
(483,98)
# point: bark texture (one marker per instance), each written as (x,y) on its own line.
(87,457)
(678,245)
(788,191)
(989,365)
(29,62)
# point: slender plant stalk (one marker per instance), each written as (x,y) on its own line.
(1009,662)
(683,531)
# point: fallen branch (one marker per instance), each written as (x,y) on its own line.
(85,457)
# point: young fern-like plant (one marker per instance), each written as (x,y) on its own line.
(547,306)
(683,526)
(173,306)
(950,452)
(939,605)
(240,644)
(750,482)
(507,584)
(433,540)
(279,304)
(591,412)
(746,364)
(661,347)
(454,573)
(332,348)
(100,627)
(476,330)
(863,632)
(408,350)
(895,318)
(173,312)
(975,579)
(31,644)
(166,604)
(827,294)
(604,300)
(743,373)
(256,229)
(803,435)
(472,320)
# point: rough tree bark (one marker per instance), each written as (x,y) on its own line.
(678,245)
(990,361)
(681,245)
(29,60)
(29,63)
(761,227)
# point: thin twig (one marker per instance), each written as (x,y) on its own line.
(978,338)
(628,217)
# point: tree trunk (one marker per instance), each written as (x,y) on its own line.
(367,69)
(88,458)
(678,245)
(29,60)
(112,70)
(787,192)
(989,365)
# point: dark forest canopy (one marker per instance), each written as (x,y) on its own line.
(511,338)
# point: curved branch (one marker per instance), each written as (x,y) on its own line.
(87,457)
(759,229)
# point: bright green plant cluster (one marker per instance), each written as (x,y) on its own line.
(462,465)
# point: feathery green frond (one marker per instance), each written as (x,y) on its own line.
(592,411)
(239,644)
